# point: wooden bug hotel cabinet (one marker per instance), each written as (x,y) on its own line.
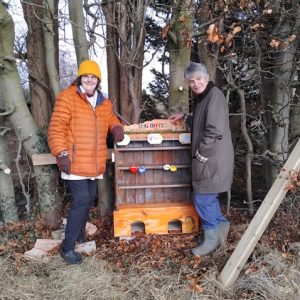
(153,180)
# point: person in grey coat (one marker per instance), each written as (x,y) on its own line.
(212,155)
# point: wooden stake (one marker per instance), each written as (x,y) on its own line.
(260,221)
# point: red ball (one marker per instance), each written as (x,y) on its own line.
(133,169)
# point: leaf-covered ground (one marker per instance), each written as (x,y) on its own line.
(168,253)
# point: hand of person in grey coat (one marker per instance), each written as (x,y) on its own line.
(176,117)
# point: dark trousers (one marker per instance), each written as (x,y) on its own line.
(83,194)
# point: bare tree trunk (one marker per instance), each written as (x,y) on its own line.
(280,95)
(78,29)
(280,106)
(23,123)
(42,98)
(8,209)
(205,56)
(125,101)
(295,112)
(179,46)
(295,115)
(49,38)
(249,154)
(125,54)
(113,70)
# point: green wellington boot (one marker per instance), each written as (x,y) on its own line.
(223,232)
(210,243)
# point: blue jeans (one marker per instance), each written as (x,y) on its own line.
(208,208)
(83,194)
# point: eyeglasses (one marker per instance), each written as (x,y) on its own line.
(89,77)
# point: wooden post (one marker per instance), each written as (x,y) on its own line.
(105,205)
(260,221)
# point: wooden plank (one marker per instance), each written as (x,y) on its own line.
(143,136)
(153,148)
(141,178)
(260,221)
(153,186)
(49,159)
(154,167)
(148,160)
(156,126)
(161,206)
(156,218)
(43,159)
(130,179)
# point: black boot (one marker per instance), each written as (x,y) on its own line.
(71,257)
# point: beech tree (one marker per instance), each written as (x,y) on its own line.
(279,72)
(50,31)
(41,96)
(23,123)
(254,45)
(8,209)
(125,38)
(79,31)
(180,32)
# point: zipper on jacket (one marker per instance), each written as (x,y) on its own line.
(96,141)
(73,152)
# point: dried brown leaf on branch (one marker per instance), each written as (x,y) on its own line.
(165,30)
(214,35)
(229,38)
(275,43)
(267,11)
(182,19)
(292,38)
(257,26)
(236,29)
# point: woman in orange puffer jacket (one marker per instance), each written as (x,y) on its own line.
(77,133)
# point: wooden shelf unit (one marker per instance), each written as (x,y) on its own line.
(155,185)
(160,196)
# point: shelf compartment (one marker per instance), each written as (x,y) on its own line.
(154,148)
(154,167)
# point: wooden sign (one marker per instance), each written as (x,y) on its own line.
(156,125)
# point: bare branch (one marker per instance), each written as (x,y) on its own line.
(8,58)
(8,112)
(4,130)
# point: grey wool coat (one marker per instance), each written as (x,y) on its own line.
(211,136)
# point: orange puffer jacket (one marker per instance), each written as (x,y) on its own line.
(76,127)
